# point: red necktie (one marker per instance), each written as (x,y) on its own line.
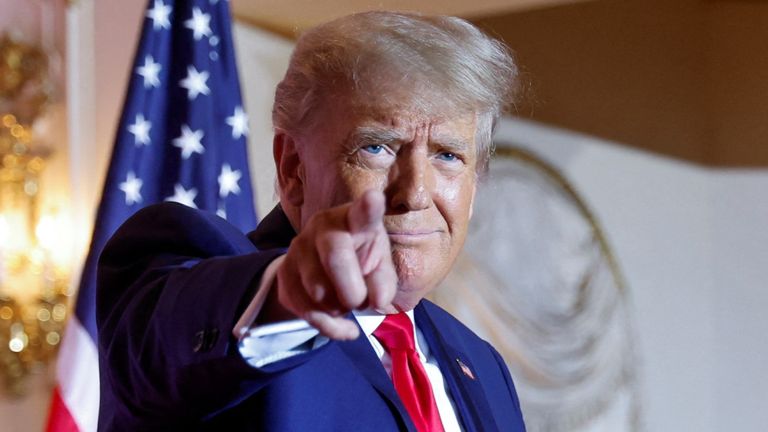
(408,374)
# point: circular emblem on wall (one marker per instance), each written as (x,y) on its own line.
(539,281)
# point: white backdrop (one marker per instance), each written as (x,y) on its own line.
(693,244)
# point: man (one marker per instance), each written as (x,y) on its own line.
(383,124)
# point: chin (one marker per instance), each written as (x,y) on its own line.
(407,300)
(416,275)
(411,289)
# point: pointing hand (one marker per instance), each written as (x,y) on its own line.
(340,261)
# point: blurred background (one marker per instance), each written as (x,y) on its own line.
(620,249)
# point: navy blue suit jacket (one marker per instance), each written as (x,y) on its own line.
(172,283)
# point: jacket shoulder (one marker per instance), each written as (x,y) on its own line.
(449,323)
(178,229)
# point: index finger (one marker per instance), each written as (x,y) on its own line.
(339,259)
(367,212)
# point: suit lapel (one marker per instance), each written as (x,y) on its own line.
(460,376)
(364,358)
(274,231)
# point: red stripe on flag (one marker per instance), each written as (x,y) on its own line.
(59,418)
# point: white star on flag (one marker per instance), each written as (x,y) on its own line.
(132,188)
(199,24)
(159,15)
(183,196)
(228,181)
(150,72)
(221,212)
(189,141)
(183,85)
(195,82)
(239,122)
(140,130)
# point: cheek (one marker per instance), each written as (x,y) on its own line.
(324,188)
(357,180)
(455,198)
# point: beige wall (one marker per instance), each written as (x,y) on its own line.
(684,78)
(738,81)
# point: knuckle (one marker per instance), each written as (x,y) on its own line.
(337,260)
(352,297)
(331,240)
(317,292)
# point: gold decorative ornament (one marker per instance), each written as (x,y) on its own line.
(34,280)
(25,87)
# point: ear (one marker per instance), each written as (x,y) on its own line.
(290,169)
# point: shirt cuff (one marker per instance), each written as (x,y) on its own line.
(254,307)
(269,343)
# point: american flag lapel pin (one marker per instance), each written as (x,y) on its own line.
(464,368)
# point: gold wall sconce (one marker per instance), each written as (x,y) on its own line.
(34,278)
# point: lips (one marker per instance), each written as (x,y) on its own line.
(413,228)
(412,232)
(412,237)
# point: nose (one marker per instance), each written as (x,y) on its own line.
(411,182)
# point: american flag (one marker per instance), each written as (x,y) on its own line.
(181,137)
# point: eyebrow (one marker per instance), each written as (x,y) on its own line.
(451,144)
(370,135)
(375,135)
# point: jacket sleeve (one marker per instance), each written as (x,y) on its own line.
(172,282)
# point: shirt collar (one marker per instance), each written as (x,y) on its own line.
(370,320)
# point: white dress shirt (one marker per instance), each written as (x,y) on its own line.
(269,343)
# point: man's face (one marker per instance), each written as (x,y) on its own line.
(425,167)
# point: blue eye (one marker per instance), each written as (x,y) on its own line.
(447,156)
(373,148)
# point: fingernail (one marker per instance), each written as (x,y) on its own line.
(387,310)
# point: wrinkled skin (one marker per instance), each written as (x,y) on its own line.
(381,201)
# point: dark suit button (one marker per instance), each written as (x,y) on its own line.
(210,339)
(199,342)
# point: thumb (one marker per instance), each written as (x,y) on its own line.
(366,212)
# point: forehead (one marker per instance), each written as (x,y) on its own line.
(401,117)
(405,126)
(404,108)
